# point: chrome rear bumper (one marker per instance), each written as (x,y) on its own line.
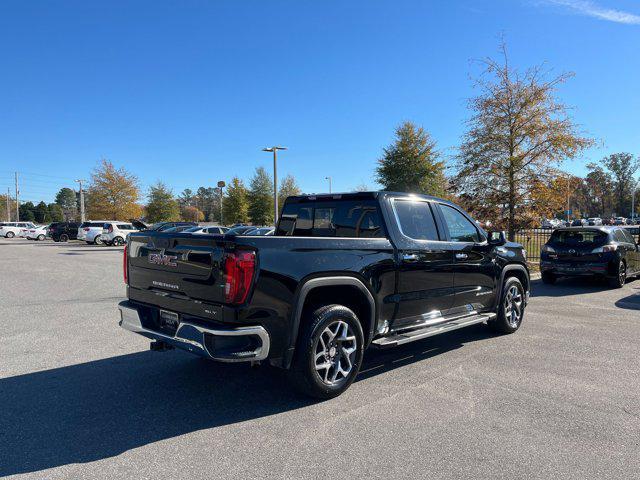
(193,337)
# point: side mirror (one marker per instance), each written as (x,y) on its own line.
(497,238)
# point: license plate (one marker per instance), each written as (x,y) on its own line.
(169,319)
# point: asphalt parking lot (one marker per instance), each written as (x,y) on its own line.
(81,398)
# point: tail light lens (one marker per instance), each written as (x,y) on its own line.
(605,249)
(125,273)
(86,229)
(110,229)
(239,268)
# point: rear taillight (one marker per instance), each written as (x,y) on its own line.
(239,268)
(86,229)
(125,273)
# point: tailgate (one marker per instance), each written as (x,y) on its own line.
(181,266)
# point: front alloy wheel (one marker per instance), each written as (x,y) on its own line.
(513,303)
(511,307)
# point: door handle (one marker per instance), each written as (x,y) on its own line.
(410,257)
(461,256)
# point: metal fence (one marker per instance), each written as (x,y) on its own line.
(533,240)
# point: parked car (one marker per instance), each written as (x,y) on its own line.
(207,229)
(38,233)
(91,231)
(64,231)
(162,226)
(240,230)
(13,229)
(632,221)
(177,228)
(594,221)
(551,223)
(342,273)
(579,222)
(634,230)
(260,231)
(620,221)
(608,221)
(116,233)
(607,252)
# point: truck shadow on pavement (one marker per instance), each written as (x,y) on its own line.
(95,410)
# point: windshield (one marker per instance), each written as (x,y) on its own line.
(578,238)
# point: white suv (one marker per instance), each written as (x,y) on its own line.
(115,233)
(91,231)
(12,229)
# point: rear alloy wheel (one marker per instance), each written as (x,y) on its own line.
(40,238)
(10,235)
(64,237)
(118,241)
(329,352)
(620,276)
(511,308)
(98,240)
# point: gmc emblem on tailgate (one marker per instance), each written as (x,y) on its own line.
(162,259)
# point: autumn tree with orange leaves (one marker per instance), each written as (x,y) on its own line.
(517,133)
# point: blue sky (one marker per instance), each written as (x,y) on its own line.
(190,91)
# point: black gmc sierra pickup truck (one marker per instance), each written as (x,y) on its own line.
(342,272)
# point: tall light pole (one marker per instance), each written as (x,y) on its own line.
(275,149)
(81,201)
(221,185)
(328,178)
(17,200)
(8,205)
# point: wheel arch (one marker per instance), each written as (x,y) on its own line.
(313,289)
(519,271)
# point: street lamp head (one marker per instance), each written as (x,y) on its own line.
(273,149)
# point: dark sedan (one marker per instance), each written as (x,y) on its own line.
(607,252)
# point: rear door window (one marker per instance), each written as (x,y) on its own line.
(415,219)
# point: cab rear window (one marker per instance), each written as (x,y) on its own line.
(341,218)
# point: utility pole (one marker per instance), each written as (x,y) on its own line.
(275,149)
(221,185)
(17,201)
(81,200)
(8,205)
(328,178)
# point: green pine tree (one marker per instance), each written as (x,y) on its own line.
(261,198)
(236,203)
(288,188)
(162,206)
(411,163)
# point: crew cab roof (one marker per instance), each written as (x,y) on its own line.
(360,196)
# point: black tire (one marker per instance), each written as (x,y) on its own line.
(64,237)
(620,277)
(10,235)
(118,241)
(304,373)
(40,238)
(506,321)
(98,240)
(548,278)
